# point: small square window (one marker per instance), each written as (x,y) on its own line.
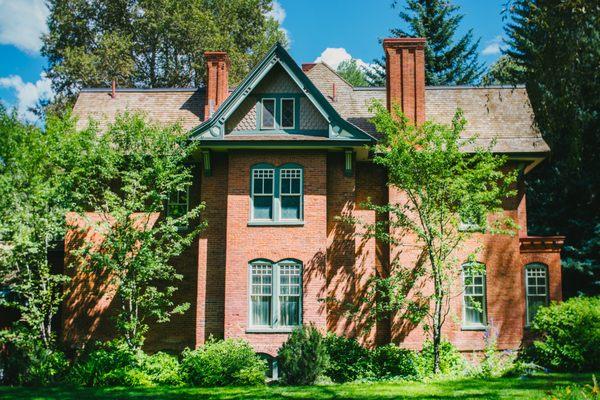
(268,114)
(287,113)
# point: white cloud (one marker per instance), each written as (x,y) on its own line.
(277,12)
(333,56)
(494,46)
(22,22)
(28,93)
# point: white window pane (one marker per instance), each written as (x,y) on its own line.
(261,310)
(290,207)
(263,207)
(268,113)
(289,310)
(287,113)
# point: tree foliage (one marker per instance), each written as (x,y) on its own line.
(448,60)
(556,44)
(141,165)
(440,185)
(353,73)
(158,43)
(39,170)
(504,71)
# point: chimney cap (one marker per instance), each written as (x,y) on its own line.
(217,56)
(407,42)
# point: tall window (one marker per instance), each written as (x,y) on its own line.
(277,194)
(262,193)
(178,203)
(536,288)
(474,305)
(268,114)
(275,294)
(287,114)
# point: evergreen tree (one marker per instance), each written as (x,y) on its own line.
(448,61)
(352,73)
(504,71)
(155,43)
(557,45)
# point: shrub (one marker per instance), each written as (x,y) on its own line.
(577,392)
(570,335)
(224,362)
(392,361)
(451,361)
(115,364)
(348,360)
(303,357)
(26,361)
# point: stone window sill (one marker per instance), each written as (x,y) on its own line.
(275,223)
(473,328)
(270,330)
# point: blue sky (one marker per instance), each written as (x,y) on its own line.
(328,30)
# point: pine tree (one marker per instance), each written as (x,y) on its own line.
(447,61)
(353,73)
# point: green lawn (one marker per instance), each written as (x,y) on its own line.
(537,387)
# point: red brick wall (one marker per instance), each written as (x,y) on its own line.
(211,253)
(244,243)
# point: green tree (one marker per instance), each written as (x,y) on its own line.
(142,166)
(448,60)
(504,71)
(352,73)
(38,171)
(440,186)
(557,45)
(154,43)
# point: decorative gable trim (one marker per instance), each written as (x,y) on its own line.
(213,129)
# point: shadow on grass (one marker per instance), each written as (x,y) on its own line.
(536,387)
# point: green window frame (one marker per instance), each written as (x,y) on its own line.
(536,289)
(287,112)
(276,194)
(271,114)
(275,295)
(474,304)
(178,203)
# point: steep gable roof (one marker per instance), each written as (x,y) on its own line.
(213,129)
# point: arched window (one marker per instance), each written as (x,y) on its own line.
(474,296)
(275,294)
(277,194)
(536,289)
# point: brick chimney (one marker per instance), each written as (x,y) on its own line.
(405,70)
(217,85)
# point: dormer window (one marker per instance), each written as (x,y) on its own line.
(268,114)
(288,114)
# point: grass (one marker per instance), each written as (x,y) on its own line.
(536,387)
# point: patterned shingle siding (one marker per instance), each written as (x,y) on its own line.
(310,117)
(244,118)
(277,81)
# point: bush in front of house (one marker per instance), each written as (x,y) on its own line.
(115,364)
(348,360)
(303,357)
(569,335)
(229,362)
(26,361)
(391,361)
(451,361)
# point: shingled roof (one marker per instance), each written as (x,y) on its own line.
(497,113)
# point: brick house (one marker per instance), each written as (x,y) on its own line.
(281,156)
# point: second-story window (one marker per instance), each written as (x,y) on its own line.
(288,120)
(178,204)
(276,194)
(268,114)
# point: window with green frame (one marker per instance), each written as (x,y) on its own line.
(278,111)
(474,296)
(275,294)
(536,289)
(276,193)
